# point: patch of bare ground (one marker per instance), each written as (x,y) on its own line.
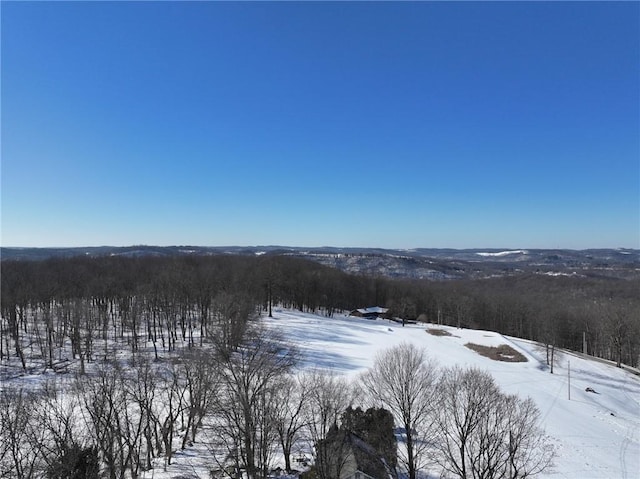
(438,332)
(500,353)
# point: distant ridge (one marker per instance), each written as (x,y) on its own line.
(418,263)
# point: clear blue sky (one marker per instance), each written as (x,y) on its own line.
(400,125)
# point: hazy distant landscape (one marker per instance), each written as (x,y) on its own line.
(419,263)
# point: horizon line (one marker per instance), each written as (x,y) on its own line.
(525,249)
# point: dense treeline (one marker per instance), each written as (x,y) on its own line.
(170,302)
(562,311)
(183,300)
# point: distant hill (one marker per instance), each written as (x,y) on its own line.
(419,263)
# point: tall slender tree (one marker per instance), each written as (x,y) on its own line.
(403,380)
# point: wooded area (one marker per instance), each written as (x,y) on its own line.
(91,301)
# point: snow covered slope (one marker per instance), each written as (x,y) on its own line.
(597,435)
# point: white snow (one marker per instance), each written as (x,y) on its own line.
(503,253)
(596,434)
(556,273)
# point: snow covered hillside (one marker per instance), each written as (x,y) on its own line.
(596,434)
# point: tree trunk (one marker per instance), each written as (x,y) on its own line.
(15,332)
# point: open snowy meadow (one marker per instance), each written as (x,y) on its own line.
(595,433)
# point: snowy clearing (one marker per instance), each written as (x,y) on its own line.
(596,435)
(502,253)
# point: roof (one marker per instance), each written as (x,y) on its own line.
(373,310)
(368,462)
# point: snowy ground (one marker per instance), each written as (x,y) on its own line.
(596,435)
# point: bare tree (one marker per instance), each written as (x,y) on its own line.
(114,423)
(200,369)
(231,312)
(171,392)
(21,439)
(484,434)
(245,423)
(291,398)
(464,398)
(530,451)
(619,326)
(67,448)
(328,396)
(142,390)
(403,380)
(15,317)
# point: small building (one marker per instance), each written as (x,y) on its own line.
(372,312)
(344,455)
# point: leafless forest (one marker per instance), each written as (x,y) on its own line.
(92,301)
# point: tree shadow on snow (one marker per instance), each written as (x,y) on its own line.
(323,336)
(327,360)
(627,385)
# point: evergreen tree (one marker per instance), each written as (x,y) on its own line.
(375,426)
(76,463)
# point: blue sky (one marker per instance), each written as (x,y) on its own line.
(400,125)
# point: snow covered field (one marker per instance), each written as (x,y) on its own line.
(596,435)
